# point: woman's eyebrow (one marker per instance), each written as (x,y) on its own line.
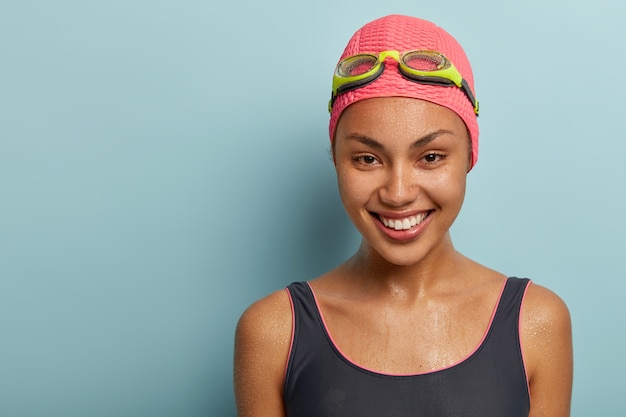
(365,140)
(423,141)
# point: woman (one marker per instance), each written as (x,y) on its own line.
(407,326)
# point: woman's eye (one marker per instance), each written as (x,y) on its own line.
(366,159)
(432,158)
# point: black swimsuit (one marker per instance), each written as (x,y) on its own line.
(491,382)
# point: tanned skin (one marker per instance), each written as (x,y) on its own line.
(401,306)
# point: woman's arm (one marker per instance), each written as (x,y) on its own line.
(547,347)
(262,343)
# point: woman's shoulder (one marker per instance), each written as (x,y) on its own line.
(545,328)
(546,338)
(545,320)
(262,343)
(268,319)
(543,308)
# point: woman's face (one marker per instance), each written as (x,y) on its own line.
(401,168)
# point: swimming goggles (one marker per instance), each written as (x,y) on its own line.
(421,66)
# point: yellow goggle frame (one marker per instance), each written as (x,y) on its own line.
(371,66)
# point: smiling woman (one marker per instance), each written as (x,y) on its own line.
(400,160)
(407,326)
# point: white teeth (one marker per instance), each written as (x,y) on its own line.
(404,224)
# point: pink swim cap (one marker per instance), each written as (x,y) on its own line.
(404,33)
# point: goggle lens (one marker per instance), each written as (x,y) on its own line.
(356,65)
(425,61)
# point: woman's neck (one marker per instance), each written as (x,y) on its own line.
(439,269)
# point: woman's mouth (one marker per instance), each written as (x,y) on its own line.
(404,223)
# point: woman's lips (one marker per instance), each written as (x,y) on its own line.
(404,223)
(402,228)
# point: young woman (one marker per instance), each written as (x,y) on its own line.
(407,326)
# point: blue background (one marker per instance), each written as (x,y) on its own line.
(165,163)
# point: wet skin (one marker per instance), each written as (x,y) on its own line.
(398,159)
(407,302)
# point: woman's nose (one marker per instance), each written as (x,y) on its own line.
(400,187)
